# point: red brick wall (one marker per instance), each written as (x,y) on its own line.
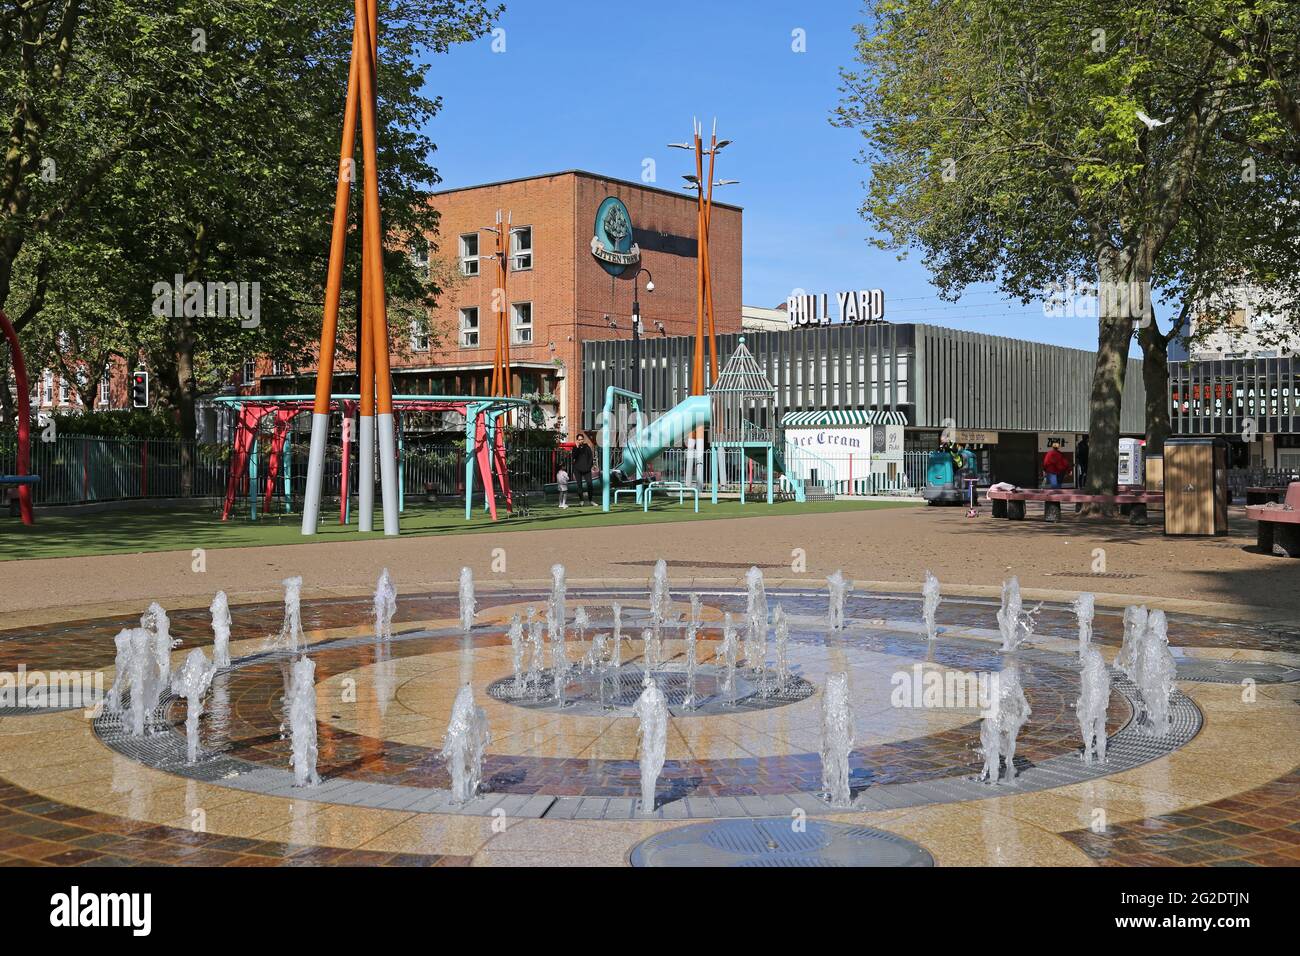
(546,205)
(665,227)
(571,293)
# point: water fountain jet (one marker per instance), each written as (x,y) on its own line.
(930,605)
(1001,725)
(192,682)
(756,618)
(385,606)
(1084,608)
(837,740)
(220,611)
(302,722)
(463,747)
(651,709)
(1153,672)
(838,589)
(468,605)
(1094,699)
(291,635)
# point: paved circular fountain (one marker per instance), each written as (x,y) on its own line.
(778,842)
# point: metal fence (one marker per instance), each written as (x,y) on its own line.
(1239,479)
(76,469)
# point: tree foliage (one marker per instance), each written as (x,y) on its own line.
(199,138)
(1026,144)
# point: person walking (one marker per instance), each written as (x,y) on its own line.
(584,459)
(1054,465)
(1081,460)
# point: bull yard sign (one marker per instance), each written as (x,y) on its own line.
(863,307)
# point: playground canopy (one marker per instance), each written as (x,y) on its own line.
(484,440)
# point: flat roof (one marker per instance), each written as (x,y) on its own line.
(589,175)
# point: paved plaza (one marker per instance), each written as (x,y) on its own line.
(560,785)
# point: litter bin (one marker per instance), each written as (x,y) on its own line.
(1153,473)
(1196,486)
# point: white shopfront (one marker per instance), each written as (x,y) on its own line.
(849,452)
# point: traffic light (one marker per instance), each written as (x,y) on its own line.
(140,389)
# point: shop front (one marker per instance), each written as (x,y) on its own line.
(850,452)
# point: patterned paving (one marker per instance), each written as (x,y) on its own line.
(241,729)
(36,831)
(1259,827)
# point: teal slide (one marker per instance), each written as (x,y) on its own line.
(674,425)
(664,432)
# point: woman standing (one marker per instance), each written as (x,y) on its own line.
(584,458)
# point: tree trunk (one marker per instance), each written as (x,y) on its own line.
(1114,332)
(185,391)
(184,399)
(1155,377)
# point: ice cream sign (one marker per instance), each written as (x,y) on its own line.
(861,307)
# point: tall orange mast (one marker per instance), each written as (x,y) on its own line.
(375,377)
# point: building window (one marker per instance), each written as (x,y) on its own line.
(47,388)
(63,390)
(522,323)
(419,254)
(521,248)
(469,254)
(250,372)
(106,387)
(469,328)
(420,334)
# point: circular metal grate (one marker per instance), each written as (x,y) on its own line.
(1207,671)
(778,842)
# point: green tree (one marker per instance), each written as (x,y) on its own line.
(232,177)
(1025,143)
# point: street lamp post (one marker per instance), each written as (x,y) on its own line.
(636,327)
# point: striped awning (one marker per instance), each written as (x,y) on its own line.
(846,418)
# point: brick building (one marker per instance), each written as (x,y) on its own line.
(558,293)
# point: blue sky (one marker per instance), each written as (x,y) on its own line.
(605,86)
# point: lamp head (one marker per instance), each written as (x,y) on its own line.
(650,286)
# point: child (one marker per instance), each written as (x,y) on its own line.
(562,485)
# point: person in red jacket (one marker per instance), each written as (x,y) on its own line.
(1055,465)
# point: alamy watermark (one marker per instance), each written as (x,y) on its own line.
(193,299)
(51,689)
(945,689)
(1080,298)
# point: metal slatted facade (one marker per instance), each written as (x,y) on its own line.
(834,367)
(1220,396)
(925,372)
(990,382)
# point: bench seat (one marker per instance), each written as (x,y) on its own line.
(1278,525)
(1011,504)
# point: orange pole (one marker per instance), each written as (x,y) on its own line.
(498,353)
(372,245)
(708,280)
(338,239)
(505,305)
(697,365)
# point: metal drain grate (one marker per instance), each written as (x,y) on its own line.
(1206,671)
(1112,575)
(776,842)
